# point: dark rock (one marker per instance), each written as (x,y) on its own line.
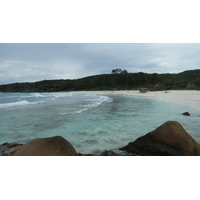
(186,113)
(144,90)
(53,146)
(10,145)
(11,151)
(169,139)
(82,154)
(109,153)
(5,144)
(3,148)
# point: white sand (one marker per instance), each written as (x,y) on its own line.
(189,98)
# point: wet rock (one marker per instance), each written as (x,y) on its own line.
(168,139)
(11,151)
(87,154)
(7,146)
(53,146)
(186,113)
(10,145)
(3,148)
(109,153)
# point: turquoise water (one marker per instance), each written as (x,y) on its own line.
(91,123)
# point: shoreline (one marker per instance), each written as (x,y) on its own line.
(189,98)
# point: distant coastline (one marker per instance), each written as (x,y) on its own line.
(189,80)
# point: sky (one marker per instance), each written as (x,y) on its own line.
(69,40)
(30,62)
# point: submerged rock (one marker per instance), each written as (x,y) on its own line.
(53,146)
(169,139)
(91,141)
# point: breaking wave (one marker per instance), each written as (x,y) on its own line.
(14,104)
(89,103)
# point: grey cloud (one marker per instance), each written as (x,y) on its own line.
(33,62)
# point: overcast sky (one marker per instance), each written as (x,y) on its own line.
(59,43)
(30,62)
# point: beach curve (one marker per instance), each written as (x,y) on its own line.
(190,98)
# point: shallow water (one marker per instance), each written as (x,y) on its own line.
(91,123)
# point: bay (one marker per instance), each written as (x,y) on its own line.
(90,122)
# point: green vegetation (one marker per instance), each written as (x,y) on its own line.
(117,80)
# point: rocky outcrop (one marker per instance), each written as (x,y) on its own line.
(85,154)
(169,139)
(7,149)
(109,153)
(144,90)
(53,146)
(10,145)
(186,113)
(11,151)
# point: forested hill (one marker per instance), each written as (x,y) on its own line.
(117,80)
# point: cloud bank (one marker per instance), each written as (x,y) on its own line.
(30,62)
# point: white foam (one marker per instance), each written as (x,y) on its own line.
(18,103)
(38,95)
(99,101)
(61,95)
(32,95)
(94,102)
(80,111)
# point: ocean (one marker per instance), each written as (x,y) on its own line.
(92,123)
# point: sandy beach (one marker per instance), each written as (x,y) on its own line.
(189,98)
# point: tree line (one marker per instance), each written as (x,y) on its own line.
(117,80)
